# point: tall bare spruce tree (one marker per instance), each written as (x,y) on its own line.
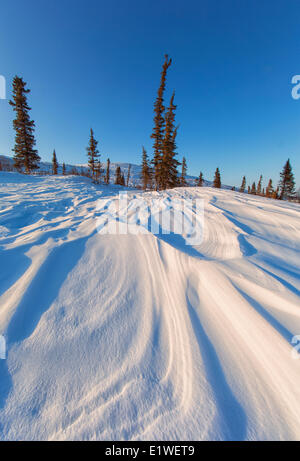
(25,156)
(159,123)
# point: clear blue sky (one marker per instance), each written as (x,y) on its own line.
(97,63)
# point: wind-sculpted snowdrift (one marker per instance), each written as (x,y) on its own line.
(142,336)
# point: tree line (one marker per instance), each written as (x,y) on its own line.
(286,188)
(159,173)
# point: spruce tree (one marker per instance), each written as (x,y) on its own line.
(145,171)
(107,173)
(287,182)
(25,156)
(119,176)
(159,122)
(259,185)
(275,194)
(63,169)
(217,179)
(54,163)
(93,154)
(200,180)
(269,189)
(183,172)
(253,189)
(249,191)
(243,185)
(168,175)
(97,171)
(128,175)
(173,162)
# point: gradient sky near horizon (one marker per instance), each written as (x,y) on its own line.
(97,64)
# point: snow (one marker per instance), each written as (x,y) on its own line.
(130,337)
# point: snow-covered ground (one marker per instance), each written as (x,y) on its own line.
(142,336)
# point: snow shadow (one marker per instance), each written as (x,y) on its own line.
(281,268)
(178,242)
(232,217)
(246,248)
(232,417)
(13,264)
(284,332)
(239,224)
(44,289)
